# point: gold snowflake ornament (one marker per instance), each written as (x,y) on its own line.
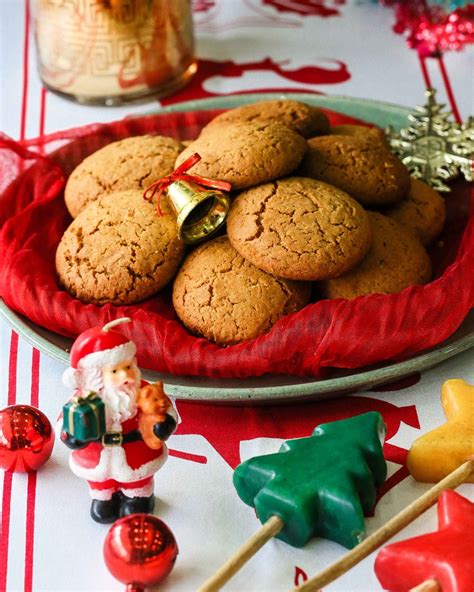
(434,148)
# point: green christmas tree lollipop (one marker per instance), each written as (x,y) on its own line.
(316,486)
(321,485)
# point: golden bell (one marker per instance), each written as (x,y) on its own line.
(200,212)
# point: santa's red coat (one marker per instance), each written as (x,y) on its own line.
(129,462)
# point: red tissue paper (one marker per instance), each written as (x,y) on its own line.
(325,334)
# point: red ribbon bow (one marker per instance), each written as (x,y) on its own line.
(158,187)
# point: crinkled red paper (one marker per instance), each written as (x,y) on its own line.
(327,333)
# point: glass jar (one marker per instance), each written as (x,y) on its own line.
(111,52)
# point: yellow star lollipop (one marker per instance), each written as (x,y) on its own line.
(439,452)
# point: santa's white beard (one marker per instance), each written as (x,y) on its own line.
(120,405)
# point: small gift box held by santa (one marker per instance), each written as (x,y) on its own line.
(116,424)
(84,417)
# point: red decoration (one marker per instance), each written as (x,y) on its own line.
(430,29)
(325,334)
(203,5)
(300,576)
(293,78)
(306,7)
(140,550)
(444,556)
(247,423)
(26,439)
(181,174)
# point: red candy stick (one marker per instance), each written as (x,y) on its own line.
(445,556)
(388,530)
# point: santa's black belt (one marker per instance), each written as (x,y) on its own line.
(119,438)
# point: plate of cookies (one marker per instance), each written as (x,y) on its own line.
(266,247)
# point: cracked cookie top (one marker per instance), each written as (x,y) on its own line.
(365,169)
(119,250)
(246,154)
(372,134)
(302,118)
(223,297)
(423,211)
(133,163)
(396,260)
(299,228)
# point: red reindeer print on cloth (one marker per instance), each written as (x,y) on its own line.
(300,576)
(295,78)
(203,5)
(261,13)
(224,427)
(306,7)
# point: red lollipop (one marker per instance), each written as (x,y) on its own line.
(140,550)
(26,439)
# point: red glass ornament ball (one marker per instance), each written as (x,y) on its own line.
(26,439)
(140,549)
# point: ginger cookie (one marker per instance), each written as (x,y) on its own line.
(223,297)
(396,260)
(372,134)
(246,154)
(367,171)
(302,118)
(133,163)
(299,228)
(423,212)
(119,250)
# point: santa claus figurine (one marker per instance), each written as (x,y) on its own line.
(117,463)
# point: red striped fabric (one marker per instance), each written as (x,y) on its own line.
(30,531)
(26,44)
(13,363)
(8,477)
(32,479)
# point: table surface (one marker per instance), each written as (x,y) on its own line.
(48,541)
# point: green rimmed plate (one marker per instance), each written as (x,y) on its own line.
(277,388)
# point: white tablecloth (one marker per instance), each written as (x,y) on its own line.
(48,540)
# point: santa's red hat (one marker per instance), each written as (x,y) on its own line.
(96,348)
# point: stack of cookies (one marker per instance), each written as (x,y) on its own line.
(317,212)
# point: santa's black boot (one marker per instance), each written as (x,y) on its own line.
(136,505)
(106,511)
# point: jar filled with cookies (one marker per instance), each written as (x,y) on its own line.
(111,52)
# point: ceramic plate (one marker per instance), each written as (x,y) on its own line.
(268,389)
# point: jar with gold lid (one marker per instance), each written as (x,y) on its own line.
(114,51)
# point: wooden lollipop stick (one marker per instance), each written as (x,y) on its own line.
(427,586)
(271,528)
(388,530)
